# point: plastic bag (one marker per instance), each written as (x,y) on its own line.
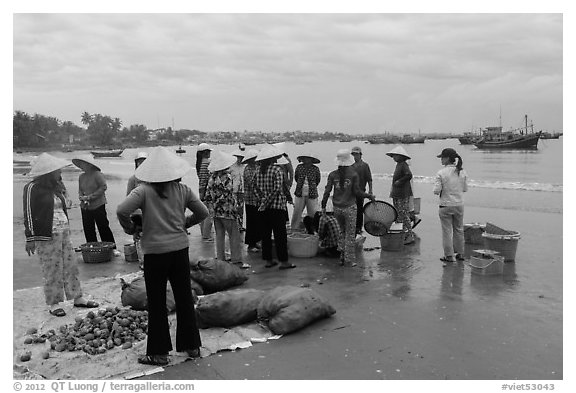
(287,309)
(215,275)
(228,308)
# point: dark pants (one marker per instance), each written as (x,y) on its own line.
(93,218)
(158,269)
(274,221)
(359,214)
(253,226)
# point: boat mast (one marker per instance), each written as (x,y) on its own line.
(526,123)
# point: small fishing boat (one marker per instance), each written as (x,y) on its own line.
(107,153)
(521,138)
(180,150)
(469,138)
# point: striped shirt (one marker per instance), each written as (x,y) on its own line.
(203,176)
(250,173)
(269,189)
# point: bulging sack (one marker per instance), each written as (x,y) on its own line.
(215,275)
(134,295)
(228,308)
(287,309)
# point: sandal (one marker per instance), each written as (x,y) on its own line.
(290,266)
(88,304)
(446,261)
(58,312)
(460,257)
(153,360)
(271,264)
(193,353)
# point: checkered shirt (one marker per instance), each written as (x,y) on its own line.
(250,173)
(328,231)
(269,189)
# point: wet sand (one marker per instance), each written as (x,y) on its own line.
(400,315)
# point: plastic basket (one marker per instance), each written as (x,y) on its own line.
(378,216)
(473,233)
(97,252)
(506,245)
(495,230)
(392,241)
(302,245)
(486,262)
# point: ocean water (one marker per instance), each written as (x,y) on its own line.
(515,180)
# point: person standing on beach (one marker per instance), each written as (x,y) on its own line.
(270,193)
(401,191)
(365,177)
(163,200)
(133,182)
(344,182)
(202,161)
(220,198)
(253,223)
(450,184)
(307,177)
(237,173)
(92,193)
(47,232)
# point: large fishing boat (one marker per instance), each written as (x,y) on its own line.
(520,138)
(107,153)
(469,138)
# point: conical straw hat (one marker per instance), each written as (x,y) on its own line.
(268,151)
(85,163)
(161,166)
(315,160)
(46,163)
(398,150)
(250,154)
(220,161)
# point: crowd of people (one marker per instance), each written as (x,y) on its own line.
(155,213)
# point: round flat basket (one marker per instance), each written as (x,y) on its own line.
(97,252)
(378,216)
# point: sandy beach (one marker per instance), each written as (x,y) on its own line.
(400,315)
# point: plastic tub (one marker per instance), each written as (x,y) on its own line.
(473,233)
(392,241)
(506,245)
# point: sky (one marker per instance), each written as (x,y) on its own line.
(347,72)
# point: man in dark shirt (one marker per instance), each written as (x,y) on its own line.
(363,170)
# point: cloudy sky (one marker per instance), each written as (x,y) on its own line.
(355,73)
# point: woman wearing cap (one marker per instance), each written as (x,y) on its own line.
(253,224)
(450,183)
(220,198)
(202,161)
(237,173)
(91,189)
(344,182)
(269,190)
(47,231)
(401,190)
(307,177)
(164,200)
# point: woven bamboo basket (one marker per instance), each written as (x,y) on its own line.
(378,216)
(506,245)
(97,252)
(302,245)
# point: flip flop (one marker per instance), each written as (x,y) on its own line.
(460,257)
(153,360)
(271,264)
(58,312)
(88,304)
(444,259)
(284,267)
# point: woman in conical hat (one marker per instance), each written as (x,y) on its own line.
(224,207)
(345,183)
(307,177)
(237,173)
(269,190)
(401,190)
(164,200)
(92,189)
(253,223)
(47,231)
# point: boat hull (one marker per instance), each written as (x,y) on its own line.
(110,153)
(524,142)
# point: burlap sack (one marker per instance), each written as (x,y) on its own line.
(215,275)
(228,308)
(287,309)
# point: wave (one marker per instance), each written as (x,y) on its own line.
(493,184)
